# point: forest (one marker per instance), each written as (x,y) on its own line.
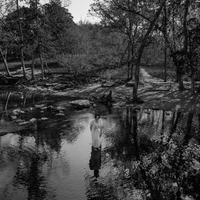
(162,35)
(100,110)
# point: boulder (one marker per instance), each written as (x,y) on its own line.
(80,104)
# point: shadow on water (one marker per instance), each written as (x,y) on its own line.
(46,152)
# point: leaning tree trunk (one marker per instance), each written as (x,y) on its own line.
(5,63)
(141,49)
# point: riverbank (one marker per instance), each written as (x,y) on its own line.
(95,83)
(156,93)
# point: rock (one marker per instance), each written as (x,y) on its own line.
(39,106)
(44,108)
(14,117)
(33,120)
(23,123)
(60,114)
(60,108)
(18,111)
(44,118)
(19,120)
(80,104)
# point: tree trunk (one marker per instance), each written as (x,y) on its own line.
(135,132)
(128,65)
(165,64)
(39,42)
(180,81)
(22,61)
(42,66)
(174,123)
(7,100)
(162,127)
(187,2)
(177,74)
(165,50)
(132,57)
(193,82)
(22,41)
(122,57)
(6,53)
(5,63)
(141,49)
(33,67)
(188,135)
(173,36)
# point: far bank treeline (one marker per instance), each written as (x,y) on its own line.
(131,33)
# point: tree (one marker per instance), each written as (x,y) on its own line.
(6,39)
(21,36)
(193,55)
(119,20)
(58,22)
(141,49)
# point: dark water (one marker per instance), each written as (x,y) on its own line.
(45,151)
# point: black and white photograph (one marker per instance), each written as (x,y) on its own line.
(99,99)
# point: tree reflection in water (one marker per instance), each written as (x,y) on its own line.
(29,175)
(29,152)
(149,154)
(156,160)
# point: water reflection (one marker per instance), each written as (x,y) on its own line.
(153,155)
(96,129)
(32,148)
(95,161)
(47,152)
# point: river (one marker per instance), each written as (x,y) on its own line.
(45,151)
